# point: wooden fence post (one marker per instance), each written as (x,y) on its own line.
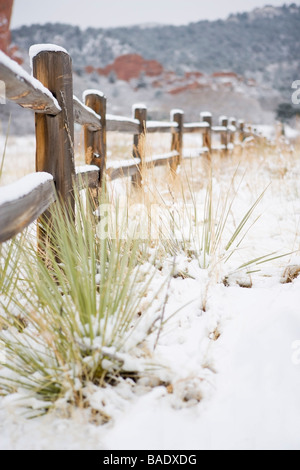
(95,142)
(223,121)
(55,134)
(177,115)
(139,113)
(242,130)
(207,141)
(232,122)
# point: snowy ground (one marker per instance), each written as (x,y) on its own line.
(232,368)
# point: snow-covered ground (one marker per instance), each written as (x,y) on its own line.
(229,375)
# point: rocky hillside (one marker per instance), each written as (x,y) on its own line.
(243,66)
(5,36)
(263,44)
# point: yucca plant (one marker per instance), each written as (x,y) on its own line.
(80,304)
(10,254)
(10,251)
(201,226)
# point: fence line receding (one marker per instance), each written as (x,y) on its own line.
(49,93)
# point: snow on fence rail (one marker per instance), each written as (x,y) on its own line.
(49,93)
(22,202)
(24,89)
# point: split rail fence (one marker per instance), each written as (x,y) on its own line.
(49,93)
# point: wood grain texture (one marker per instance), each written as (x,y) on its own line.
(95,142)
(241,125)
(139,147)
(207,137)
(177,140)
(21,91)
(18,214)
(55,135)
(103,140)
(86,117)
(224,134)
(120,124)
(232,129)
(87,179)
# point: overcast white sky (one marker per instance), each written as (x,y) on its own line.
(106,13)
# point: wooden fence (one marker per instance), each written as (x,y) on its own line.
(49,93)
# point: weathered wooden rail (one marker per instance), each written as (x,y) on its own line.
(49,93)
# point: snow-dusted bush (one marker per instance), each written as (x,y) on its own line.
(74,317)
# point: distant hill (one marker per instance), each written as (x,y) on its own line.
(243,66)
(263,44)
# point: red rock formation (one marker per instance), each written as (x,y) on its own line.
(5,16)
(227,85)
(169,76)
(5,37)
(225,75)
(193,75)
(191,87)
(157,84)
(89,69)
(153,68)
(131,66)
